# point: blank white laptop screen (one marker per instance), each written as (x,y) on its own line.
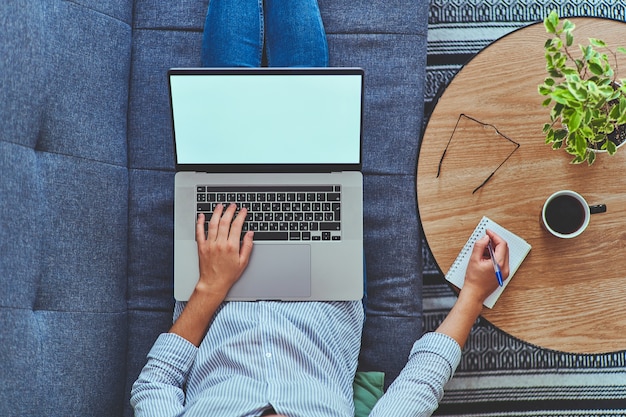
(267,119)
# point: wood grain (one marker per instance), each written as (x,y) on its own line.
(568,295)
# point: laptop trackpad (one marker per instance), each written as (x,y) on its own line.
(275,272)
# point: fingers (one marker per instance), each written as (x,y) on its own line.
(214,223)
(497,240)
(501,251)
(231,230)
(246,248)
(225,222)
(480,246)
(222,225)
(237,224)
(200,233)
(219,225)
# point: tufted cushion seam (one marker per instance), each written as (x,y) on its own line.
(35,310)
(118,165)
(86,7)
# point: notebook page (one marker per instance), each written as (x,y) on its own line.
(518,249)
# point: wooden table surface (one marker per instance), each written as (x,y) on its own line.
(569,294)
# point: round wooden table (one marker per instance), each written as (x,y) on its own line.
(569,294)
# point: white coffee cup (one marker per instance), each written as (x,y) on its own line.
(565,214)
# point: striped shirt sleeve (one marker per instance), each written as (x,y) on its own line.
(419,387)
(158,392)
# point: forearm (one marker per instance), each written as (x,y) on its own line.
(159,390)
(222,260)
(480,281)
(461,318)
(193,322)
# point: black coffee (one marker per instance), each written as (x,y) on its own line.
(565,214)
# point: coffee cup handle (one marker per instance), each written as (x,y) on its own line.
(598,208)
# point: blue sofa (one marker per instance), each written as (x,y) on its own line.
(86,188)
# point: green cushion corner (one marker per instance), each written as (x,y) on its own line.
(368,388)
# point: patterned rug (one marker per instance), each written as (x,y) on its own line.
(500,375)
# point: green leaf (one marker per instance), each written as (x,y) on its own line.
(609,128)
(606,91)
(584,50)
(551,21)
(564,96)
(614,113)
(544,90)
(556,111)
(586,132)
(580,65)
(554,73)
(592,87)
(549,60)
(574,121)
(568,25)
(621,49)
(569,38)
(570,72)
(546,102)
(596,68)
(615,95)
(573,76)
(560,134)
(608,71)
(605,81)
(598,43)
(578,91)
(610,147)
(557,43)
(581,145)
(591,156)
(598,138)
(587,117)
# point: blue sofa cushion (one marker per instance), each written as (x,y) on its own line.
(64,195)
(86,193)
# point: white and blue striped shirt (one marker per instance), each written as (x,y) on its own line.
(299,358)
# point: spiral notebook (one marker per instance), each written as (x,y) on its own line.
(518,249)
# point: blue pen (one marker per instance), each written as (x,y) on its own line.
(496,267)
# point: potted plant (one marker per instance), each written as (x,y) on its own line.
(588,102)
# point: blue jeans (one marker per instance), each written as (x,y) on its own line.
(280,33)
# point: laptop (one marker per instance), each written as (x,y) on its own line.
(286,144)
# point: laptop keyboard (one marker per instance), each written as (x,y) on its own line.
(287,213)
